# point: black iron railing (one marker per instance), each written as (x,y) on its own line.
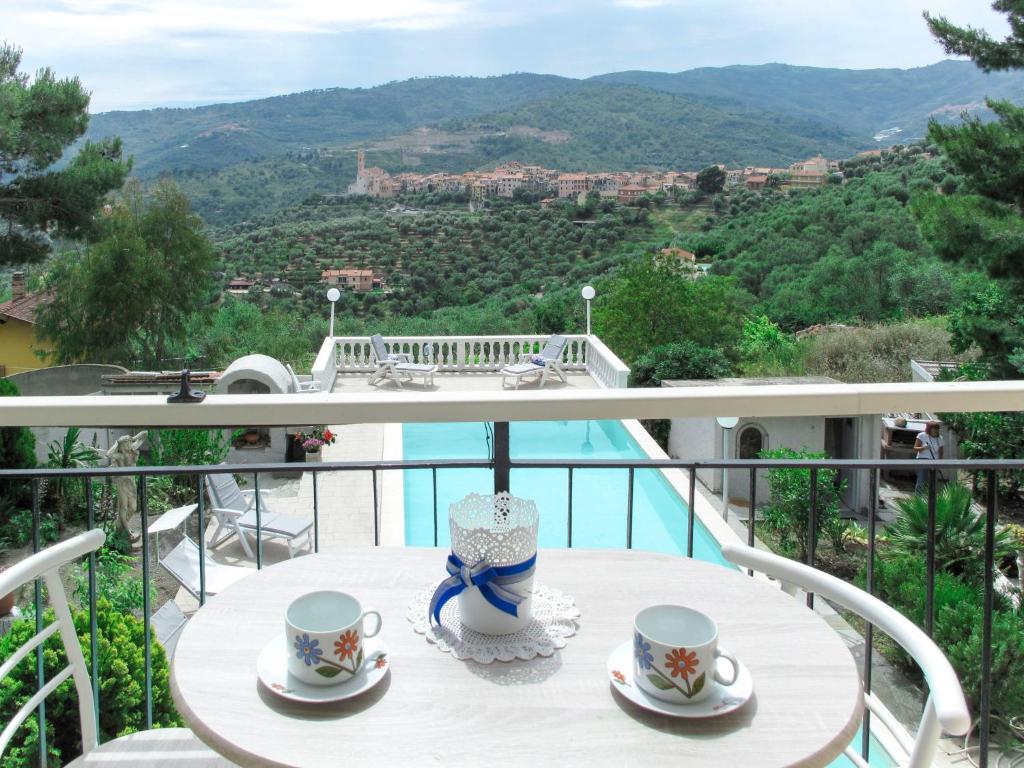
(990,469)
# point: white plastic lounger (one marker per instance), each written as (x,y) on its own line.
(182,562)
(396,366)
(547,363)
(235,511)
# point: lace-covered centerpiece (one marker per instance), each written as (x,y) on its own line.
(499,531)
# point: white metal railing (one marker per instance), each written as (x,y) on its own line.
(457,353)
(604,366)
(534,405)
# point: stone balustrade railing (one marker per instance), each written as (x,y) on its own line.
(604,366)
(457,353)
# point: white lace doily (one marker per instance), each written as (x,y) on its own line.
(555,618)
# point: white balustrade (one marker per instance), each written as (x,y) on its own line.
(457,353)
(604,366)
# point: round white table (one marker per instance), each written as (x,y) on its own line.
(561,710)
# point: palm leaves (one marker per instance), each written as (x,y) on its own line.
(959,532)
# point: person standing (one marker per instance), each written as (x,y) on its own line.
(929,447)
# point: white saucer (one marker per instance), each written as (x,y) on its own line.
(723,698)
(272,668)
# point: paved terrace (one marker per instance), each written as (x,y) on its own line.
(346,498)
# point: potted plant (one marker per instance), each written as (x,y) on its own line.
(312,442)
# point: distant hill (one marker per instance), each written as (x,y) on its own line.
(215,136)
(238,159)
(629,127)
(862,102)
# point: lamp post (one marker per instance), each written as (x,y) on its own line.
(726,423)
(333,294)
(588,294)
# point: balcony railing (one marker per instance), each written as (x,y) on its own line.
(237,410)
(629,467)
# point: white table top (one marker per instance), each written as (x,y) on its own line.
(434,709)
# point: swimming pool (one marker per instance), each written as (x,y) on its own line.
(599,495)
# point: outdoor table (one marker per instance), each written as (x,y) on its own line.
(559,710)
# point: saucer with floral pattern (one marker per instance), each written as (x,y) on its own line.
(723,699)
(272,669)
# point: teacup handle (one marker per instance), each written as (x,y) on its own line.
(735,667)
(380,623)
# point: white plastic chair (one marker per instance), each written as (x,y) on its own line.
(301,386)
(550,364)
(235,511)
(946,709)
(148,748)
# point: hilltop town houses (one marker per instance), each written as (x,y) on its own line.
(623,186)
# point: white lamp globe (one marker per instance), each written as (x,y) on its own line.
(727,422)
(588,292)
(333,294)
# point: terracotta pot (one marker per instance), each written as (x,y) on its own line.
(252,437)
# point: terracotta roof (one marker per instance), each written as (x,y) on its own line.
(24,309)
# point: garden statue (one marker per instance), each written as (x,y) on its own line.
(125,453)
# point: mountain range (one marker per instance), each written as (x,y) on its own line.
(741,115)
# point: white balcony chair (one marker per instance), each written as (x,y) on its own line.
(398,365)
(301,386)
(946,710)
(548,363)
(182,561)
(161,747)
(235,511)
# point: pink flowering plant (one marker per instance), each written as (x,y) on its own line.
(315,439)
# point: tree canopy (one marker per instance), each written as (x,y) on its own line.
(39,119)
(981,225)
(126,298)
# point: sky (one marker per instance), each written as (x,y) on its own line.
(134,54)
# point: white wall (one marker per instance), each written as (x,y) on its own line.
(701,438)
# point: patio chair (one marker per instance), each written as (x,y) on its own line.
(945,710)
(547,363)
(182,561)
(147,748)
(398,365)
(235,511)
(301,386)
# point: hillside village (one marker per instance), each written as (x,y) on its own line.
(623,186)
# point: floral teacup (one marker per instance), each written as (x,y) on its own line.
(675,654)
(324,633)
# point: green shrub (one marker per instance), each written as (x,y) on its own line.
(680,360)
(958,632)
(116,581)
(900,581)
(789,506)
(959,533)
(121,679)
(16,525)
(185,447)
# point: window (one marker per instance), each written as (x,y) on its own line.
(751,442)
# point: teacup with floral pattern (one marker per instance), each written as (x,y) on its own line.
(324,633)
(675,654)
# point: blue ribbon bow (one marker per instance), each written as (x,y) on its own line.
(487,578)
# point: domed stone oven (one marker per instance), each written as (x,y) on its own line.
(257,375)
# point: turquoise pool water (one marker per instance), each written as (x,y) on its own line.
(599,496)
